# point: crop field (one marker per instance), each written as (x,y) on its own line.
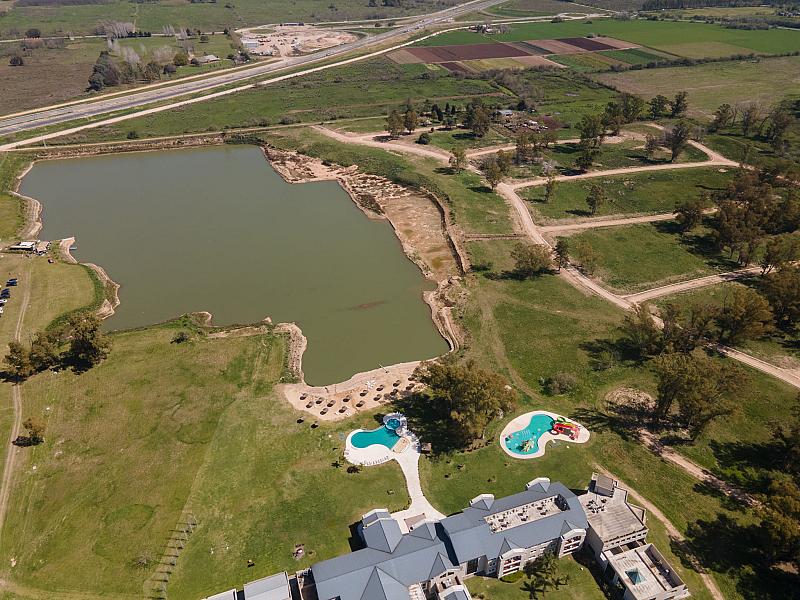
(766,80)
(206,16)
(691,40)
(655,192)
(50,76)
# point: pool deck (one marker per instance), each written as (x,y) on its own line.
(408,459)
(522,421)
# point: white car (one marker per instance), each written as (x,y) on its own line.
(3,301)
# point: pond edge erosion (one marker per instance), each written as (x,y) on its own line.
(368,192)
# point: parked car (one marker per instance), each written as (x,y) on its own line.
(3,300)
(1,310)
(12,281)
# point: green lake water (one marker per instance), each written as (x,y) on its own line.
(217,229)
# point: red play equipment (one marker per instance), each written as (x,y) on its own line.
(569,429)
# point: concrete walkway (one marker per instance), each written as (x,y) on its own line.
(409,463)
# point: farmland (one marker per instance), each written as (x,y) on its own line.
(691,40)
(709,85)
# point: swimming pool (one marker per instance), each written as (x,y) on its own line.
(539,424)
(381,435)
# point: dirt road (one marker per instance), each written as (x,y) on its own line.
(692,284)
(16,401)
(562,228)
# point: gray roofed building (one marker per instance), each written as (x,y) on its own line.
(275,587)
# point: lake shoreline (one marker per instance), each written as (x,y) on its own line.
(348,178)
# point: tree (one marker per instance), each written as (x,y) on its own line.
(591,131)
(477,120)
(504,160)
(410,120)
(181,59)
(678,139)
(782,290)
(689,213)
(780,521)
(492,172)
(44,352)
(702,387)
(632,106)
(523,152)
(723,117)
(18,360)
(542,574)
(679,104)
(651,145)
(87,346)
(465,396)
(33,33)
(152,71)
(16,61)
(779,250)
(613,117)
(586,256)
(562,253)
(35,429)
(549,188)
(780,118)
(596,198)
(394,124)
(751,113)
(424,138)
(458,159)
(531,259)
(686,327)
(641,333)
(658,106)
(745,315)
(104,73)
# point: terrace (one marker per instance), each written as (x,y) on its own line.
(645,574)
(527,513)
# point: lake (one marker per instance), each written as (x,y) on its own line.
(218,230)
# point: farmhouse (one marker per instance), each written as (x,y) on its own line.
(492,537)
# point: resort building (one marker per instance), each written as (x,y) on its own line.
(492,537)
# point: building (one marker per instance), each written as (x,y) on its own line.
(23,246)
(617,536)
(492,537)
(206,59)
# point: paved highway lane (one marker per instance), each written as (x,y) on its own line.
(61,114)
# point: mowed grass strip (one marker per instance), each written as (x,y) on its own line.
(639,257)
(641,193)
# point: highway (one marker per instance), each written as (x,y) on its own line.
(55,115)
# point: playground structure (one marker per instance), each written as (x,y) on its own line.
(527,435)
(563,427)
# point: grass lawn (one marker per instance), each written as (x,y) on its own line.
(581,586)
(475,207)
(765,80)
(102,495)
(638,257)
(655,192)
(11,209)
(692,40)
(466,139)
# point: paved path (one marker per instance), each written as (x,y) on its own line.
(16,401)
(409,463)
(672,531)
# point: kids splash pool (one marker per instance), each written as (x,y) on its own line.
(527,435)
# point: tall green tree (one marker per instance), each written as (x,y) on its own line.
(531,259)
(723,116)
(410,120)
(678,139)
(689,213)
(679,104)
(467,397)
(562,253)
(658,106)
(596,197)
(87,345)
(782,290)
(458,159)
(745,315)
(394,124)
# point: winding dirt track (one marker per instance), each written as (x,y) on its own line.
(16,401)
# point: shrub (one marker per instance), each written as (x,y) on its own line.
(133,135)
(16,61)
(561,383)
(424,139)
(512,577)
(180,337)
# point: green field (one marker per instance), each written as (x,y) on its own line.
(691,40)
(206,16)
(654,192)
(765,80)
(368,88)
(638,257)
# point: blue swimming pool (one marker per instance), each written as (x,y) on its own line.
(381,435)
(516,442)
(393,424)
